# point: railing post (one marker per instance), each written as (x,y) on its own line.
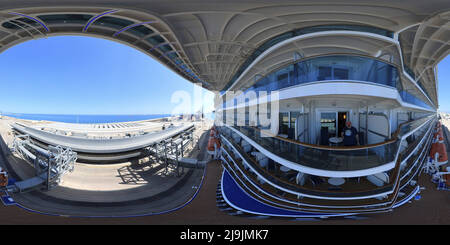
(48,172)
(367,126)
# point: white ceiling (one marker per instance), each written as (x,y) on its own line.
(215,37)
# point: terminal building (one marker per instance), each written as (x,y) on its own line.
(289,76)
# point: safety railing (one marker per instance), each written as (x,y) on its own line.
(332,158)
(286,181)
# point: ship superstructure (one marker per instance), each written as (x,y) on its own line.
(289,76)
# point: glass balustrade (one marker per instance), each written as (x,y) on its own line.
(287,180)
(329,158)
(298,32)
(336,68)
(409,98)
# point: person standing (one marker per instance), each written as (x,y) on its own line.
(350,135)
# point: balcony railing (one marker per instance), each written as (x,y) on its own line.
(285,182)
(298,32)
(329,158)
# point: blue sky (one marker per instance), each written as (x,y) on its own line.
(444,84)
(85,75)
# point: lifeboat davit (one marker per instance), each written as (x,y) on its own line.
(213,132)
(438,151)
(437,135)
(213,144)
(446,175)
(438,125)
(3,178)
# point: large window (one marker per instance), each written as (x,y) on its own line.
(302,31)
(284,123)
(335,68)
(332,68)
(65,18)
(294,115)
(328,120)
(113,22)
(409,98)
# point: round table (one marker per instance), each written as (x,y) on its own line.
(284,169)
(335,140)
(336,181)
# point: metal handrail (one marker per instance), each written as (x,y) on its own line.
(344,148)
(393,185)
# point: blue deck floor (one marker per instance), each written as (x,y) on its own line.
(239,199)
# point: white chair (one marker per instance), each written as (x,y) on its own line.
(236,138)
(246,146)
(378,179)
(300,179)
(381,197)
(260,158)
(264,162)
(257,155)
(336,181)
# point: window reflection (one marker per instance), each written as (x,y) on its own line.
(335,68)
(302,31)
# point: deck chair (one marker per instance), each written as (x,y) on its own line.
(378,179)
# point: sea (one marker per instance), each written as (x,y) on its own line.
(85,118)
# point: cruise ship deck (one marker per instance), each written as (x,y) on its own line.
(322,109)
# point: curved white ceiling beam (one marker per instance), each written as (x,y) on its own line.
(231,20)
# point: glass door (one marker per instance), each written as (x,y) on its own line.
(284,123)
(342,118)
(328,120)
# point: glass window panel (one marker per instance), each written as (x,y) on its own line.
(165,48)
(155,40)
(284,123)
(340,74)
(324,73)
(336,67)
(113,22)
(13,25)
(266,45)
(140,31)
(328,120)
(172,55)
(65,18)
(26,20)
